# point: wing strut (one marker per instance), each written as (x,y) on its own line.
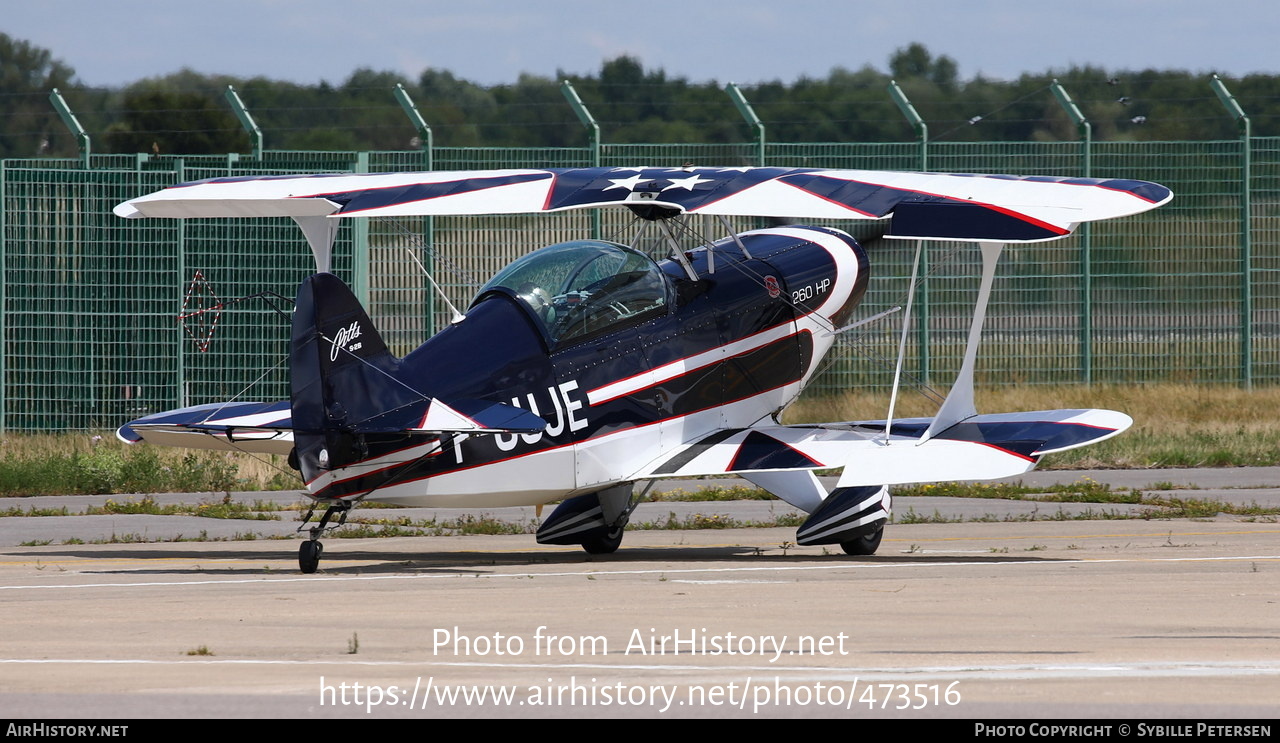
(320,232)
(959,404)
(734,234)
(676,252)
(902,341)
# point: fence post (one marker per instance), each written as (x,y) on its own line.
(427,141)
(180,334)
(913,118)
(72,123)
(1085,129)
(925,352)
(1246,228)
(425,137)
(748,113)
(589,121)
(4,298)
(360,244)
(246,120)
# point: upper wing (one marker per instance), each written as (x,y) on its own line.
(984,447)
(920,205)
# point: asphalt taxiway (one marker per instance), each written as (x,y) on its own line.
(1060,618)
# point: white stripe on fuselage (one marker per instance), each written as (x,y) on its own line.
(680,367)
(370,466)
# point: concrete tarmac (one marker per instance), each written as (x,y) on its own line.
(1133,618)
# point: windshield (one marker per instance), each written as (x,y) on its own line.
(583,287)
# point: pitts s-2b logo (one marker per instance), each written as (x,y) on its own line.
(344,337)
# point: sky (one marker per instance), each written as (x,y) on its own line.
(745,41)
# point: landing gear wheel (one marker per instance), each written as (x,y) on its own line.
(865,545)
(309,551)
(309,556)
(606,545)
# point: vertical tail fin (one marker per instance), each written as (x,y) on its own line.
(341,374)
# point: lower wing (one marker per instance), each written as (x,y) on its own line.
(984,447)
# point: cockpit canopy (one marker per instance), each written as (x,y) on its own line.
(584,287)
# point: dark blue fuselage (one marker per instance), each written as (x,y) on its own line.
(730,348)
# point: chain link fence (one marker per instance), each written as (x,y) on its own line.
(90,302)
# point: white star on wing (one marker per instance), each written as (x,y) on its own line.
(687,183)
(627,183)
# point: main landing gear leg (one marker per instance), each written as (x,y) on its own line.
(310,550)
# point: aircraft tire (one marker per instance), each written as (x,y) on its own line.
(309,556)
(866,545)
(605,545)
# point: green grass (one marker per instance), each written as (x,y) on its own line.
(712,493)
(716,521)
(34,511)
(363,527)
(1175,425)
(1083,491)
(203,536)
(258,510)
(911,516)
(80,463)
(222,509)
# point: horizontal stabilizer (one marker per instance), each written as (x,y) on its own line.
(259,427)
(478,416)
(267,428)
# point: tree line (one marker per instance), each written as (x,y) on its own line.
(186,112)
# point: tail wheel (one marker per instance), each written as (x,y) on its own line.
(309,556)
(606,545)
(864,545)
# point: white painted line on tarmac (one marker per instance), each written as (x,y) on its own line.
(474,573)
(734,582)
(1024,671)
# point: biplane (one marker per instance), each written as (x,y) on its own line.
(584,368)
